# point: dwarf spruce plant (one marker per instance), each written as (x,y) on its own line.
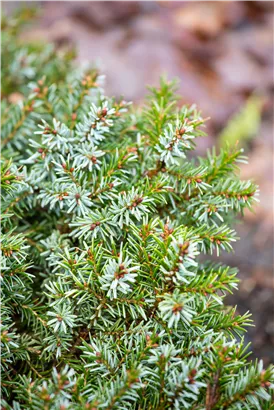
(110,299)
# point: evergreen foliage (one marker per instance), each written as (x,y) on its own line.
(108,298)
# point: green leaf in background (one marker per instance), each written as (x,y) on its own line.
(244,125)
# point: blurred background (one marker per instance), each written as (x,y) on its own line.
(222,53)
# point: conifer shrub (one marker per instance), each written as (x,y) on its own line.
(110,298)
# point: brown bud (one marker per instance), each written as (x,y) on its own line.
(177,308)
(193,372)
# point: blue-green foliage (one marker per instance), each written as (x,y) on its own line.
(107,301)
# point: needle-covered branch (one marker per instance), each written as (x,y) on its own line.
(109,297)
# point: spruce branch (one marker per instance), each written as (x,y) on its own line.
(109,297)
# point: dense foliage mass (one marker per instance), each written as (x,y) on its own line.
(108,300)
